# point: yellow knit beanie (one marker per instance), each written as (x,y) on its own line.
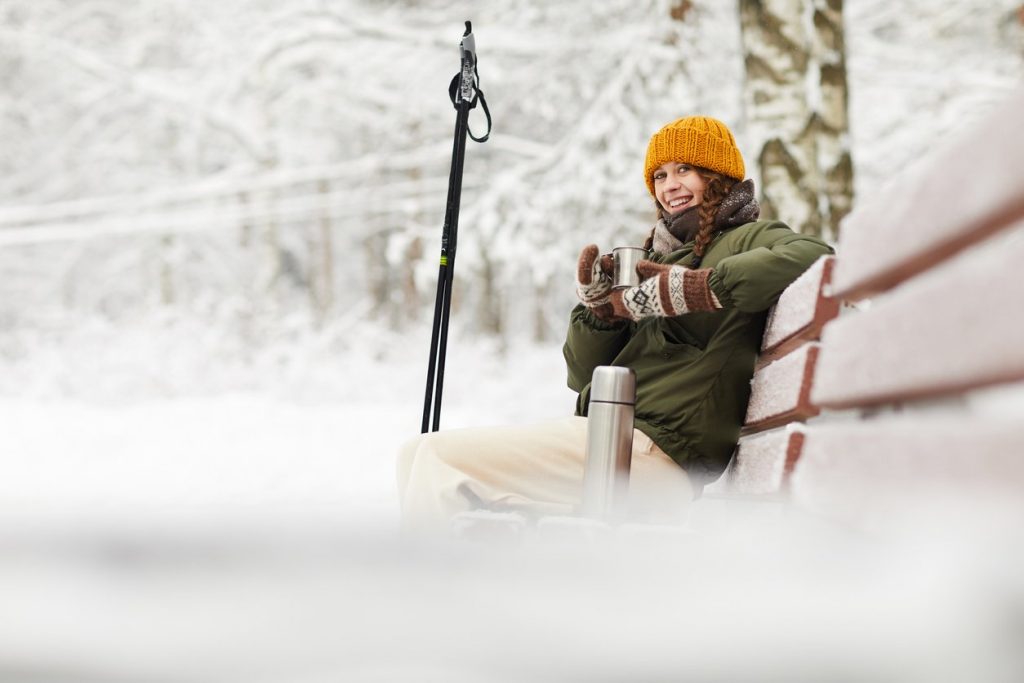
(698,141)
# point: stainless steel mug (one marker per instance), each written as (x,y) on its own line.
(609,442)
(624,270)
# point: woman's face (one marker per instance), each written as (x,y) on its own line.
(678,187)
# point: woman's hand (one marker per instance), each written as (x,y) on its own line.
(666,291)
(594,281)
(593,277)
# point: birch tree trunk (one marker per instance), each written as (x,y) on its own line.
(321,257)
(379,276)
(834,159)
(796,99)
(489,304)
(780,121)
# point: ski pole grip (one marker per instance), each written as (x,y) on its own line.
(467,52)
(609,442)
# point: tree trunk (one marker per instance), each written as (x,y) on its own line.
(379,277)
(833,121)
(489,316)
(167,251)
(246,229)
(796,99)
(272,261)
(321,259)
(780,121)
(411,299)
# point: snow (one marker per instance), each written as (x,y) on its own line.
(309,433)
(223,452)
(251,535)
(215,601)
(798,306)
(778,387)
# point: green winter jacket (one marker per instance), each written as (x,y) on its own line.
(693,371)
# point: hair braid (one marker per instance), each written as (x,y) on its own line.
(649,242)
(716,189)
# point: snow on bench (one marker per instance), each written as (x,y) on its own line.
(955,327)
(871,472)
(801,311)
(781,388)
(762,463)
(965,192)
(883,404)
(781,391)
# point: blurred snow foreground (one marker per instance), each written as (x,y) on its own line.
(779,599)
(250,538)
(237,604)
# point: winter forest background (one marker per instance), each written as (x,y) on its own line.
(206,197)
(219,232)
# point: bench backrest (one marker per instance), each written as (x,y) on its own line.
(929,277)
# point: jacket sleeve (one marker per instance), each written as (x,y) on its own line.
(591,342)
(770,258)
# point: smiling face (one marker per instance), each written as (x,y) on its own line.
(678,187)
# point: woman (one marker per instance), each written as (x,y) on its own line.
(690,330)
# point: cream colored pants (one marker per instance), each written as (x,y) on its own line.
(535,469)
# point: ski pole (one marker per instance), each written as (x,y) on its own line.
(464,92)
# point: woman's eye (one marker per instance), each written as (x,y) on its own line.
(684,168)
(659,176)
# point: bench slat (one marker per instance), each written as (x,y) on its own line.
(926,216)
(801,311)
(761,463)
(957,327)
(885,467)
(781,391)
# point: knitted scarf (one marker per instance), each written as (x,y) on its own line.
(738,207)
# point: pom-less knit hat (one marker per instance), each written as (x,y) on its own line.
(698,141)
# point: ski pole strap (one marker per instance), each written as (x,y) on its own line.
(478,94)
(487,113)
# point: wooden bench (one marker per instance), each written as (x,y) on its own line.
(876,384)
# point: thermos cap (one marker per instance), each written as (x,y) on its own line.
(612,384)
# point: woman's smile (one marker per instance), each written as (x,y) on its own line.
(678,187)
(679,202)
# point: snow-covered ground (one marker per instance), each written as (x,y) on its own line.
(305,432)
(250,536)
(322,607)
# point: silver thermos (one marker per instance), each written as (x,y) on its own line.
(609,442)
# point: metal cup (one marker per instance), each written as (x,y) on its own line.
(624,270)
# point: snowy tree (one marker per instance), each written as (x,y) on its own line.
(832,117)
(257,169)
(796,103)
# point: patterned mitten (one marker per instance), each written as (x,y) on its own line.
(666,291)
(594,282)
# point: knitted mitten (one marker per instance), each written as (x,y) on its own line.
(594,282)
(666,291)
